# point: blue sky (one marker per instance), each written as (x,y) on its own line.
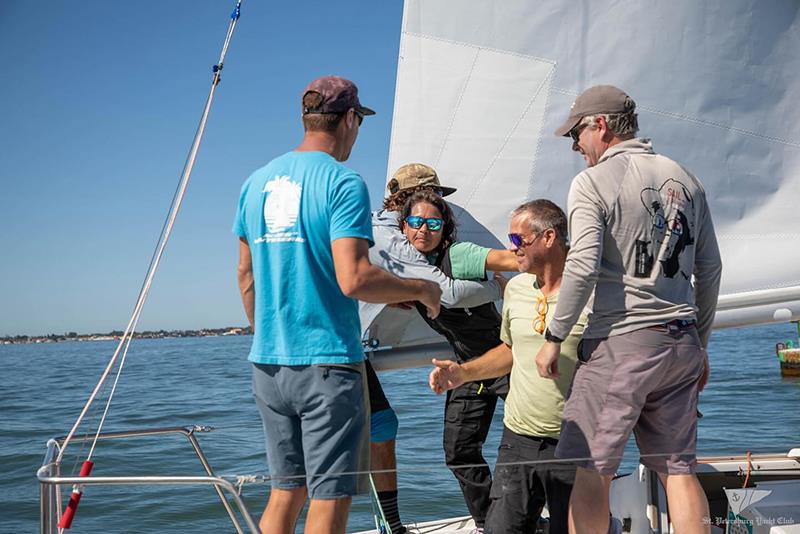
(99,103)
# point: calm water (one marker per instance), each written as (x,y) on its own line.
(176,382)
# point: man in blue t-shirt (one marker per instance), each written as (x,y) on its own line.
(304,228)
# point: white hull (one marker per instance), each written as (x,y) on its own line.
(638,501)
(454,525)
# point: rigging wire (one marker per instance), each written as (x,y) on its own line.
(241,480)
(166,231)
(381,524)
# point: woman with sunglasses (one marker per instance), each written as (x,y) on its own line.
(427,221)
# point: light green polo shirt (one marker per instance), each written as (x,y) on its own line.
(534,404)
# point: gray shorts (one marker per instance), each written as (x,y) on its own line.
(645,381)
(315,424)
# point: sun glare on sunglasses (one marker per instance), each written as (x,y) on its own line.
(434,224)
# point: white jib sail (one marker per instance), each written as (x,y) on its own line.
(481,86)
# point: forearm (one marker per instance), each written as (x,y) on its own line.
(468,294)
(706,294)
(496,362)
(248,294)
(401,258)
(376,286)
(708,275)
(244,275)
(587,229)
(501,260)
(577,284)
(455,293)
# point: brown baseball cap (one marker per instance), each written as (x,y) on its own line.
(338,95)
(594,100)
(414,175)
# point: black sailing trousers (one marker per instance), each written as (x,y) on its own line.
(468,414)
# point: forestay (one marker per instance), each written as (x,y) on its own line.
(481,86)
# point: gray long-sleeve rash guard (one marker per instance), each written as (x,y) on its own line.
(392,252)
(640,229)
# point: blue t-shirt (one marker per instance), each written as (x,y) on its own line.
(289,212)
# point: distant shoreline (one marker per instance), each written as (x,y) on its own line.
(117,334)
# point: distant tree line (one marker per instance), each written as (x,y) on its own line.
(147,334)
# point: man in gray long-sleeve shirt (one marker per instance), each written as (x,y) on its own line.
(640,230)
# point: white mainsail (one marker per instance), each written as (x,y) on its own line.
(482,85)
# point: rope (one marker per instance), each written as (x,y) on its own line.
(166,231)
(155,260)
(381,524)
(749,466)
(242,480)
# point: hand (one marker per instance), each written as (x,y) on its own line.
(706,370)
(547,360)
(446,375)
(431,298)
(503,281)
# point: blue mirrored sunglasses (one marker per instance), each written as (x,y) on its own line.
(518,241)
(416,222)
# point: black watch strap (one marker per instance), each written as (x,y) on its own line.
(550,337)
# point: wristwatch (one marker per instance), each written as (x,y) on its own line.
(550,337)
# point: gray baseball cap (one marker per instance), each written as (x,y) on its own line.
(594,100)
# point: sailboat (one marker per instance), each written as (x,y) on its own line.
(481,86)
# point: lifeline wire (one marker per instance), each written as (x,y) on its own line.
(241,480)
(159,250)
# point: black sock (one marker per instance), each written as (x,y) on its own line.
(388,500)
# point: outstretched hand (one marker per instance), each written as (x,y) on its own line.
(446,375)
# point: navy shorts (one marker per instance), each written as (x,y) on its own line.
(315,424)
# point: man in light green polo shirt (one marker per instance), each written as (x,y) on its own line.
(534,404)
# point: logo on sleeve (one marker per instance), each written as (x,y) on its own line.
(281,210)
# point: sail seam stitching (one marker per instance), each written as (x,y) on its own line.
(458,106)
(511,131)
(704,122)
(400,58)
(481,48)
(531,175)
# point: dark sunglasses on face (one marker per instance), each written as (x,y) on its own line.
(518,241)
(575,133)
(359,115)
(416,222)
